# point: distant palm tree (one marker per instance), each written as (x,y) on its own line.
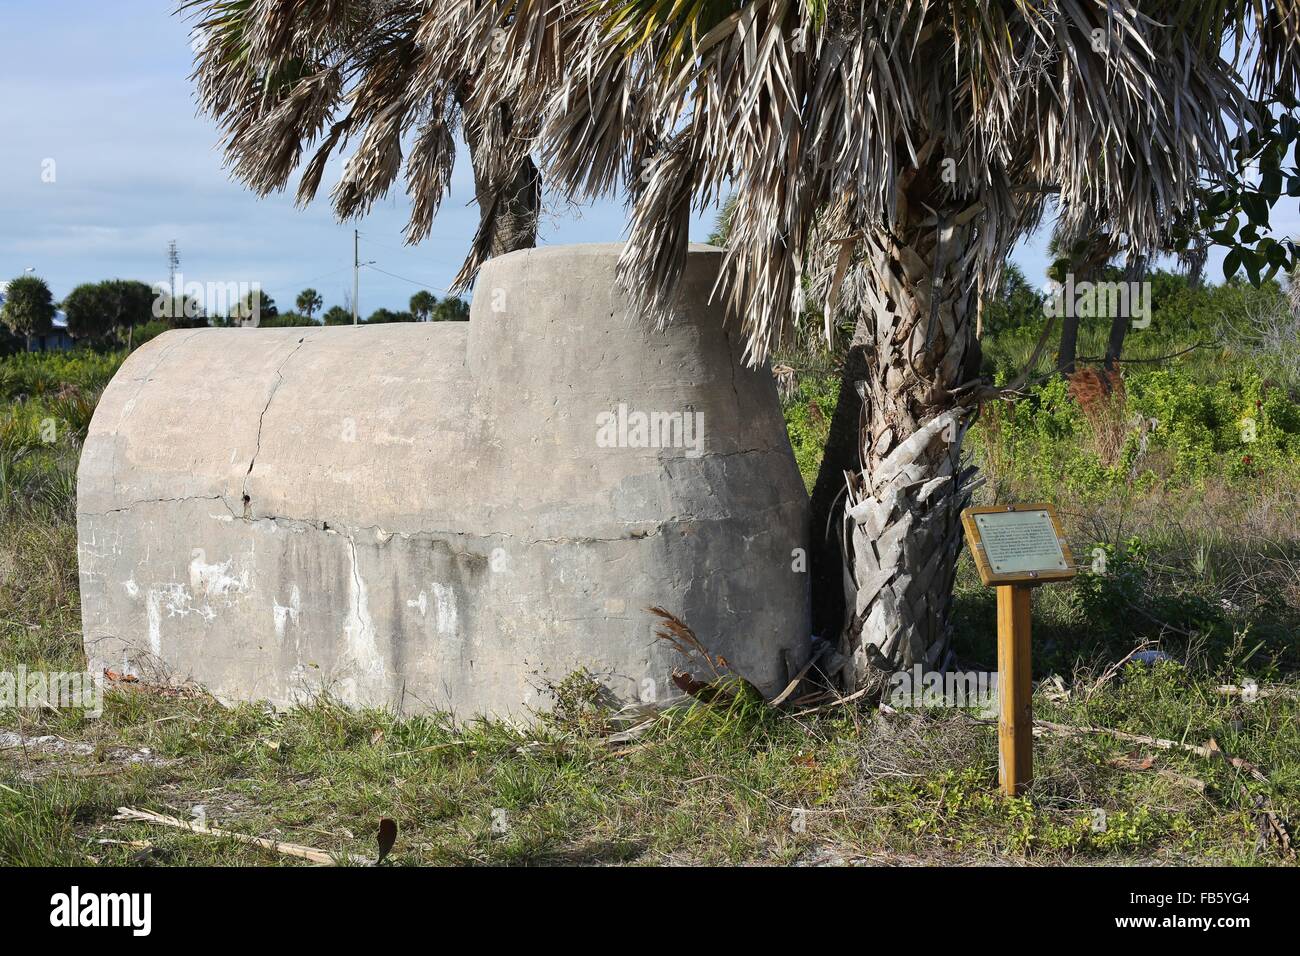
(422,305)
(28,307)
(309,300)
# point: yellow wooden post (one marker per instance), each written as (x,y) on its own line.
(1015,690)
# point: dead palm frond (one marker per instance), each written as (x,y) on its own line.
(293,84)
(674,631)
(817,114)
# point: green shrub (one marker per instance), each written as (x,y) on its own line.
(1237,427)
(34,374)
(808,414)
(46,403)
(1169,430)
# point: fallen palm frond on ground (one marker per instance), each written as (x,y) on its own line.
(288,849)
(676,632)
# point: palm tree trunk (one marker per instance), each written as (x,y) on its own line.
(1069,347)
(902,519)
(1100,250)
(511,223)
(1134,271)
(507,217)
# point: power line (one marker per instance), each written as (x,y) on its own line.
(303,282)
(394,275)
(404,250)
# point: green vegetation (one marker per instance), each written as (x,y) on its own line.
(388,315)
(117,313)
(422,305)
(807,420)
(705,785)
(46,401)
(96,311)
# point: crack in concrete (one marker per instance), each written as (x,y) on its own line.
(257,448)
(154,501)
(326,527)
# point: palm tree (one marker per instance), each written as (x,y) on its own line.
(308,301)
(1083,256)
(28,307)
(892,153)
(279,78)
(422,305)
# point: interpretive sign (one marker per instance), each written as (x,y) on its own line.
(1016,547)
(1017,543)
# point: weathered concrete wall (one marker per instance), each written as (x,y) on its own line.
(428,516)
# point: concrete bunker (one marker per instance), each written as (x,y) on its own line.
(446,516)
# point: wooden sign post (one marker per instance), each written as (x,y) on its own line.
(1016,548)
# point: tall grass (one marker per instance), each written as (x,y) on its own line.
(46,403)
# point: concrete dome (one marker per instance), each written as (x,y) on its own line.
(445,516)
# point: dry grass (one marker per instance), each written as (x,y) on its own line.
(1102,399)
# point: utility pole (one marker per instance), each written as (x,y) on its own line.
(356,271)
(173,264)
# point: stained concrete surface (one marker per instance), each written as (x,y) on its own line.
(446,516)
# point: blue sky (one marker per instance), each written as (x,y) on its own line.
(101,89)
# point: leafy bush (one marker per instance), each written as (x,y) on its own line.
(48,373)
(808,414)
(1176,432)
(46,403)
(1239,426)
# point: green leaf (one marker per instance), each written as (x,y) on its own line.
(1222,202)
(1253,265)
(1231,263)
(1276,254)
(1256,207)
